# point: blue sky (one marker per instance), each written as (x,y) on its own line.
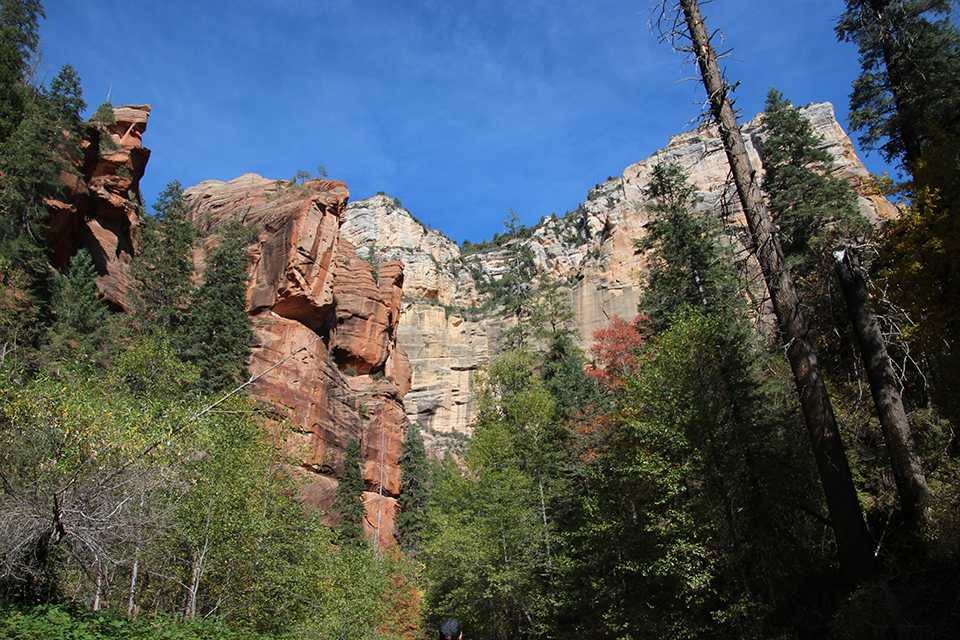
(462,110)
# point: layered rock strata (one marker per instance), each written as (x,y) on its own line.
(97,207)
(327,334)
(591,249)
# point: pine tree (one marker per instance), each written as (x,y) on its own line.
(689,266)
(217,335)
(414,491)
(348,501)
(163,266)
(40,136)
(685,21)
(910,62)
(65,96)
(19,37)
(513,290)
(81,314)
(815,212)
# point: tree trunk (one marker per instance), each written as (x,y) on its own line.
(854,544)
(911,482)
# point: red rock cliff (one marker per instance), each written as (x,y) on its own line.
(310,296)
(97,208)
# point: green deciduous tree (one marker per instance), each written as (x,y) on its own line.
(492,549)
(695,481)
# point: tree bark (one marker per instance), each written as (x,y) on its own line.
(854,545)
(907,470)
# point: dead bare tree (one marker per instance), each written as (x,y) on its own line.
(682,26)
(911,482)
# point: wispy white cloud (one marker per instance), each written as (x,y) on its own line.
(461,109)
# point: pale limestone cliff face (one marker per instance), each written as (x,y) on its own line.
(591,249)
(384,231)
(318,311)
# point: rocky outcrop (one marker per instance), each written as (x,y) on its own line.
(327,334)
(591,249)
(97,208)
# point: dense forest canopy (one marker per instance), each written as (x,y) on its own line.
(688,476)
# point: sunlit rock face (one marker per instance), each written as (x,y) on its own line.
(590,249)
(97,207)
(326,334)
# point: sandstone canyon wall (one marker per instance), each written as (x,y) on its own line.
(341,293)
(314,305)
(590,249)
(326,334)
(97,208)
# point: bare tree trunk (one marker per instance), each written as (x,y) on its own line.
(133,582)
(99,591)
(854,544)
(911,482)
(546,528)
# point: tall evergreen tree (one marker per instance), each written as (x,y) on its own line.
(65,96)
(348,501)
(217,335)
(690,267)
(515,286)
(40,136)
(414,490)
(163,267)
(684,20)
(910,62)
(81,314)
(19,37)
(814,211)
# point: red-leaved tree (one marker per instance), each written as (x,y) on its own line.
(616,349)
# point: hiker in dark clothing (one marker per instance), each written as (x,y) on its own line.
(450,630)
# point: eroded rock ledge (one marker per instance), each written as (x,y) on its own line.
(311,296)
